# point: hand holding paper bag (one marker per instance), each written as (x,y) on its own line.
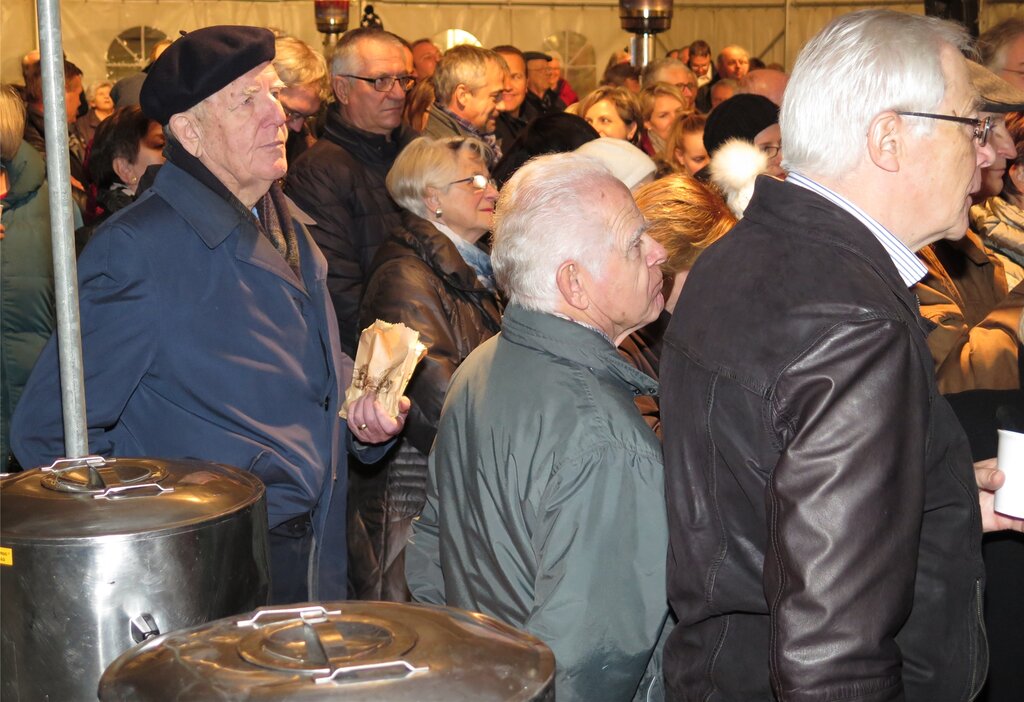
(386,357)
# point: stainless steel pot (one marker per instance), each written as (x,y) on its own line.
(96,556)
(352,651)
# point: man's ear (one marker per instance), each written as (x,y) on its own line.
(341,86)
(567,277)
(886,140)
(187,129)
(459,96)
(1016,171)
(124,170)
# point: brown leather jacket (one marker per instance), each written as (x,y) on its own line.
(825,534)
(418,277)
(974,343)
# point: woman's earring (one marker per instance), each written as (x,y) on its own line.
(438,213)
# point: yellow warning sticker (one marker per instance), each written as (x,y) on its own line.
(6,556)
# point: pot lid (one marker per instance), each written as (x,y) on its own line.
(94,496)
(377,651)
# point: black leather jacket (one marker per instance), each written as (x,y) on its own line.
(339,182)
(823,514)
(418,278)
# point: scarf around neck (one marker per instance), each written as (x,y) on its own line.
(269,215)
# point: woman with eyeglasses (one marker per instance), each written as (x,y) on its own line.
(435,277)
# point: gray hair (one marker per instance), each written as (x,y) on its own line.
(430,163)
(346,57)
(993,44)
(534,234)
(861,65)
(652,71)
(463,65)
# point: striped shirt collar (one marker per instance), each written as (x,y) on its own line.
(911,270)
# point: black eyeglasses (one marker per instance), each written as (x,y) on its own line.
(383,84)
(291,115)
(770,150)
(479,181)
(982,127)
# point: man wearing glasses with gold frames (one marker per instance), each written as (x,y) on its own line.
(825,520)
(339,181)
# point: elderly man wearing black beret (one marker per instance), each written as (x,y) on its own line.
(207,328)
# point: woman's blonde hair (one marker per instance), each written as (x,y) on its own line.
(685,217)
(688,124)
(626,105)
(652,92)
(12,121)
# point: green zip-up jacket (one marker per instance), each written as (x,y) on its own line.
(545,504)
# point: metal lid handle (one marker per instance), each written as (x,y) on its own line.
(404,669)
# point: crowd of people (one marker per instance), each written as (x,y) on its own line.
(712,378)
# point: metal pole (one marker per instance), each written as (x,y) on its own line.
(62,230)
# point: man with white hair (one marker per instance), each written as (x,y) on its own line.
(207,330)
(544,503)
(824,516)
(674,72)
(339,181)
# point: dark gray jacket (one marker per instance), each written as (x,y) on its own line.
(339,182)
(545,503)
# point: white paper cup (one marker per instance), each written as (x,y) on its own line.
(1010,497)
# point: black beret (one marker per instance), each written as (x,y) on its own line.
(534,55)
(199,64)
(742,116)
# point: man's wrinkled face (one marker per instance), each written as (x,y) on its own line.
(515,91)
(362,105)
(300,103)
(1005,152)
(700,65)
(537,76)
(733,63)
(1013,70)
(682,79)
(242,132)
(101,100)
(626,294)
(424,60)
(769,142)
(480,107)
(554,72)
(73,97)
(944,165)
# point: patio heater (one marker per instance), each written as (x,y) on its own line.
(331,20)
(643,19)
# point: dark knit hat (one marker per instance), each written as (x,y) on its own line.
(199,64)
(742,116)
(997,95)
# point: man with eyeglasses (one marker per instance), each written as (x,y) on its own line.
(469,93)
(339,181)
(539,95)
(825,518)
(304,74)
(674,72)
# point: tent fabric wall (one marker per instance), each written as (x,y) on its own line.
(90,25)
